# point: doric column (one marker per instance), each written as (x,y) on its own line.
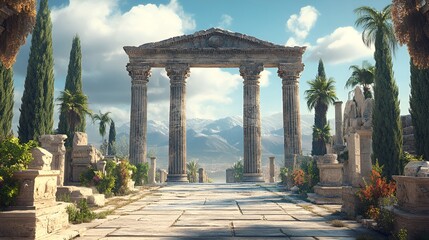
(289,73)
(177,134)
(140,74)
(251,123)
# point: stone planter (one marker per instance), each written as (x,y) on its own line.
(412,212)
(413,193)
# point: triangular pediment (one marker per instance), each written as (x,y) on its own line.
(212,38)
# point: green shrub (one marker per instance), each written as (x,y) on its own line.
(122,177)
(238,171)
(284,172)
(104,183)
(80,213)
(140,175)
(13,157)
(87,178)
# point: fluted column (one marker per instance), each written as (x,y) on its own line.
(177,133)
(251,123)
(289,73)
(140,74)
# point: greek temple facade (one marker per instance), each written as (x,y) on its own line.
(214,48)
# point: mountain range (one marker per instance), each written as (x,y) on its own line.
(221,140)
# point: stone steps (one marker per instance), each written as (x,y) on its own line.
(78,193)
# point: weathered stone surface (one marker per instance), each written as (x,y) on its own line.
(367,112)
(152,170)
(229,175)
(413,168)
(359,98)
(338,141)
(80,139)
(33,224)
(413,193)
(214,48)
(37,188)
(272,169)
(55,145)
(42,159)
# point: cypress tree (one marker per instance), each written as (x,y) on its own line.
(419,109)
(73,85)
(321,69)
(37,107)
(111,149)
(6,101)
(387,128)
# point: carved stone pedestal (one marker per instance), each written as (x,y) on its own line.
(328,190)
(412,211)
(35,213)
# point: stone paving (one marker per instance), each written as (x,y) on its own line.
(223,211)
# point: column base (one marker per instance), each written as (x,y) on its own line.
(253,177)
(178,178)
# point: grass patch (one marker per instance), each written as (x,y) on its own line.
(65,197)
(337,223)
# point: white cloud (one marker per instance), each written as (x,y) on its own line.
(265,78)
(300,25)
(341,46)
(225,21)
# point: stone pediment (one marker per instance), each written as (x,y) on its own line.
(213,48)
(212,38)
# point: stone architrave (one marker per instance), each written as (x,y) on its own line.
(140,74)
(219,48)
(55,145)
(251,122)
(289,73)
(177,122)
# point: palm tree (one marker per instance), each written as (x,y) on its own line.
(192,168)
(74,106)
(387,129)
(103,119)
(362,76)
(411,21)
(320,95)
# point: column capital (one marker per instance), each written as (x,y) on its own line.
(177,72)
(251,72)
(139,72)
(290,72)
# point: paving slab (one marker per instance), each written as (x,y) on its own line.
(221,211)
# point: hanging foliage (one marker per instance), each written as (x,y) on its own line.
(16,28)
(412,28)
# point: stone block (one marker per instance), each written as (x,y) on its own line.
(37,188)
(412,168)
(350,201)
(96,200)
(80,139)
(42,159)
(230,175)
(331,174)
(416,224)
(33,224)
(413,194)
(78,169)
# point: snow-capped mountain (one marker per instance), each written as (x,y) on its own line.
(222,139)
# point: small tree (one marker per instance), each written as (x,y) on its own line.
(103,119)
(192,168)
(111,148)
(363,76)
(238,171)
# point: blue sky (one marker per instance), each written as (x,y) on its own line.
(326,27)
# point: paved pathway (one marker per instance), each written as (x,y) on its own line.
(222,211)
